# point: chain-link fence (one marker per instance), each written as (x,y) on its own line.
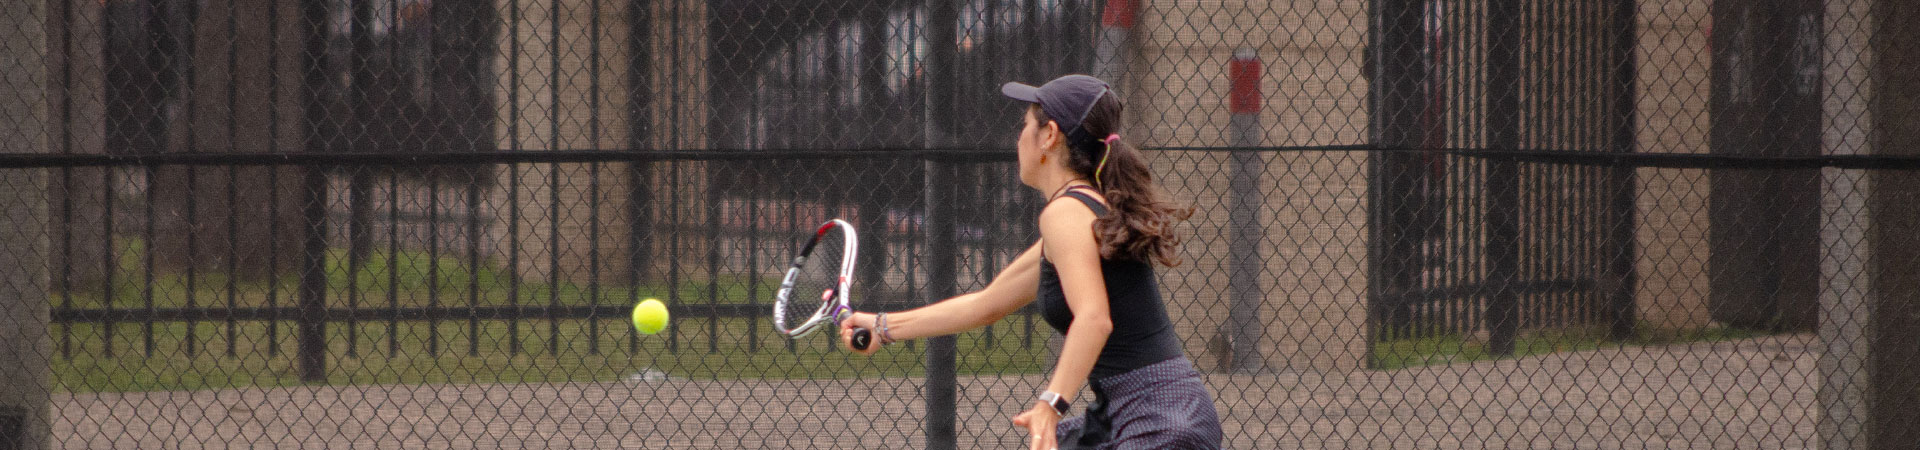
(1452,224)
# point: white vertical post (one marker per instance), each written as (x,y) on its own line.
(1845,296)
(1244,330)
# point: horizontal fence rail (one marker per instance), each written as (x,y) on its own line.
(1415,224)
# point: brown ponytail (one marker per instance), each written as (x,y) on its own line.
(1141,225)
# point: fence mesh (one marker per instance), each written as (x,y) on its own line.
(1440,223)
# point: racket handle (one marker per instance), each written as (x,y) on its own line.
(862,339)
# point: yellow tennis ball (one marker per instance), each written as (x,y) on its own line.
(650,316)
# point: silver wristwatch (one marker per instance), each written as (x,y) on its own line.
(1059,403)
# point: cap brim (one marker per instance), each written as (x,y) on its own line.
(1021,92)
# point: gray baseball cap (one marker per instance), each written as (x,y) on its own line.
(1067,99)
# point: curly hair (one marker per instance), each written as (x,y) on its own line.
(1141,225)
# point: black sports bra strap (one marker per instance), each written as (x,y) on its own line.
(1099,209)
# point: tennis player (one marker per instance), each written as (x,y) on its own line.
(1101,232)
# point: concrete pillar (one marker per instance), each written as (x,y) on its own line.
(1671,116)
(1893,328)
(24,346)
(1845,294)
(567,83)
(1314,272)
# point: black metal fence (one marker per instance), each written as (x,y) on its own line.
(1453,224)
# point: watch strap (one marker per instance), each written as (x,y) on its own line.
(1057,401)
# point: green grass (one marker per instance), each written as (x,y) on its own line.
(196,356)
(408,278)
(203,362)
(1404,353)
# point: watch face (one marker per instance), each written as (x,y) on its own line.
(1058,402)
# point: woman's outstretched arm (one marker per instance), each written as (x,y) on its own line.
(1011,289)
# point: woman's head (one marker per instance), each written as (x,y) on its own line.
(1051,125)
(1076,120)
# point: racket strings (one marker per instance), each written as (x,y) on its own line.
(816,282)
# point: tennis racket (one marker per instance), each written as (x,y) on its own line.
(814,292)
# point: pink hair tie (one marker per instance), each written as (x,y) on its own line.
(1111,138)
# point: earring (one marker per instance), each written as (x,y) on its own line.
(1043,159)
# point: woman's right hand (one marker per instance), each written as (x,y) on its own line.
(860,320)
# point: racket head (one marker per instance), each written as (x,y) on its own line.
(814,292)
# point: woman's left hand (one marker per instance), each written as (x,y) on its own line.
(1041,422)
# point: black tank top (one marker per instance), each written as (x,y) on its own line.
(1142,333)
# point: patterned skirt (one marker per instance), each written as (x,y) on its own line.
(1162,405)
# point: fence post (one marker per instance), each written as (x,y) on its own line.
(1845,287)
(24,316)
(1892,333)
(1503,175)
(311,334)
(1397,74)
(1244,330)
(1620,239)
(1110,46)
(943,17)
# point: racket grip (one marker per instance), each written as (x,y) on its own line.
(862,339)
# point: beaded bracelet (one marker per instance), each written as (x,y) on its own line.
(886,337)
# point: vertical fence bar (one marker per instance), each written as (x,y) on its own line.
(513,175)
(313,278)
(593,234)
(146,291)
(553,113)
(1503,196)
(1461,32)
(753,273)
(552,212)
(393,265)
(793,239)
(1394,98)
(639,137)
(1621,276)
(233,257)
(433,264)
(673,141)
(310,327)
(941,266)
(514,344)
(110,292)
(637,242)
(473,260)
(65,282)
(713,211)
(871,79)
(593,174)
(65,278)
(233,65)
(190,100)
(192,226)
(359,182)
(358,214)
(273,182)
(941,393)
(673,252)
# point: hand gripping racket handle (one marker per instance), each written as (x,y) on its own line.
(862,338)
